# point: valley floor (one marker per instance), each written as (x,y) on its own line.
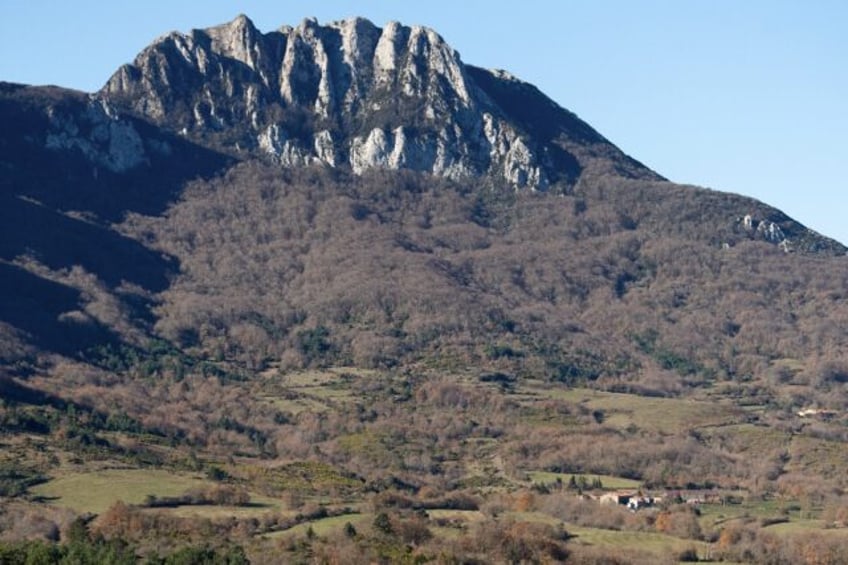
(395,467)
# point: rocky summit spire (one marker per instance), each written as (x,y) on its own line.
(351,94)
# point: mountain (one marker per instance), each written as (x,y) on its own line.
(337,262)
(466,178)
(354,94)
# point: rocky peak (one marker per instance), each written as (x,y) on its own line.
(238,40)
(352,94)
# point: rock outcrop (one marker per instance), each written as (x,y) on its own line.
(352,94)
(100,134)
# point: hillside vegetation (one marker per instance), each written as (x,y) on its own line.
(317,268)
(430,366)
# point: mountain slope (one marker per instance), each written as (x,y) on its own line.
(366,184)
(395,268)
(71,168)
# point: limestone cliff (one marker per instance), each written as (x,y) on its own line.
(352,94)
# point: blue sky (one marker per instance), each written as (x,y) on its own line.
(743,96)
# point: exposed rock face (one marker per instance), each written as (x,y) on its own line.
(349,94)
(769,230)
(98,133)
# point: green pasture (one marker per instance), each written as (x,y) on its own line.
(652,542)
(756,441)
(818,457)
(806,527)
(96,491)
(623,411)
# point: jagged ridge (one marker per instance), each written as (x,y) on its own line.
(352,94)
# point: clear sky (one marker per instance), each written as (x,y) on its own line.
(747,96)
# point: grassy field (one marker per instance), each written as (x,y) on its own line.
(817,456)
(805,527)
(651,542)
(649,413)
(753,440)
(98,490)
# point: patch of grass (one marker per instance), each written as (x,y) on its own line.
(652,542)
(337,376)
(464,515)
(802,527)
(818,457)
(754,441)
(98,490)
(311,391)
(537,517)
(259,505)
(609,482)
(326,526)
(717,515)
(623,411)
(489,481)
(302,476)
(367,444)
(295,405)
(300,379)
